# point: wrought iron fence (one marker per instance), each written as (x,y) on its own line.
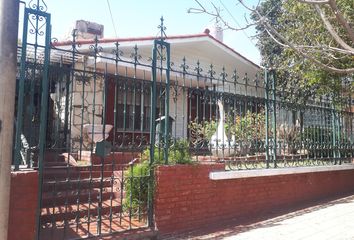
(95,116)
(132,95)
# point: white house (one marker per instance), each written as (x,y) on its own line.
(221,69)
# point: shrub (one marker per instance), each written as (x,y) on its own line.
(200,133)
(137,176)
(179,153)
(249,127)
(136,187)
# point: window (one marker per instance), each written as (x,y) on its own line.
(132,100)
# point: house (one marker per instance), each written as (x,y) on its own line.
(112,84)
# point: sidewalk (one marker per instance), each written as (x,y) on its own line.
(331,220)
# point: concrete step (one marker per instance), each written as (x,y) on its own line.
(55,164)
(79,210)
(73,174)
(115,157)
(50,199)
(95,167)
(73,185)
(53,157)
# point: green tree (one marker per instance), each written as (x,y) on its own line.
(306,25)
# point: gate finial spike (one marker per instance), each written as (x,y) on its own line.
(162,29)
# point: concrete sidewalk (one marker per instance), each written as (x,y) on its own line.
(331,220)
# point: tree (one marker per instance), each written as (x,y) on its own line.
(309,42)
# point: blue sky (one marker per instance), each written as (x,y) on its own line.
(139,18)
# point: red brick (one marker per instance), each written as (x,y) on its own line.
(192,199)
(23,205)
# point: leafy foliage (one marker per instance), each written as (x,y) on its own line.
(178,153)
(136,187)
(137,176)
(247,127)
(201,132)
(301,24)
(251,126)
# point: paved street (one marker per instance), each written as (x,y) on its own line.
(331,220)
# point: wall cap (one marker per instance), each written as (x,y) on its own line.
(275,172)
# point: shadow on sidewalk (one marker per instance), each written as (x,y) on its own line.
(270,219)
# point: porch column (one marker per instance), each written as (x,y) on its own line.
(9,15)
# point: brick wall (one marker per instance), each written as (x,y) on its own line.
(23,205)
(186,198)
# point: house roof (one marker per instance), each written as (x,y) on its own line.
(177,38)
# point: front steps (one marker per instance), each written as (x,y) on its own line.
(80,193)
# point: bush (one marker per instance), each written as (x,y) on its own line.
(136,187)
(249,127)
(137,176)
(178,153)
(246,128)
(200,133)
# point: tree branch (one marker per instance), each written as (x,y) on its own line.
(312,59)
(341,19)
(332,31)
(339,16)
(314,1)
(217,15)
(318,48)
(299,49)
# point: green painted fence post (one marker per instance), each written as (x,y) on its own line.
(274,119)
(266,116)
